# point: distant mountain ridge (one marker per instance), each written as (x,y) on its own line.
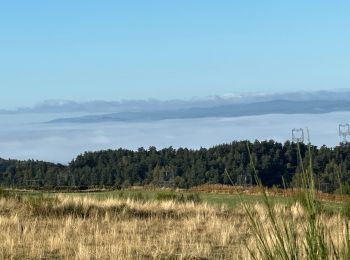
(105,107)
(232,110)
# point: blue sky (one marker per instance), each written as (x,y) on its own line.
(112,50)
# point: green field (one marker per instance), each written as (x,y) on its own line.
(216,199)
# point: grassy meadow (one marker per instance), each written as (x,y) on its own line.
(153,224)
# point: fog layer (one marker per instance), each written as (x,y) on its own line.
(26,137)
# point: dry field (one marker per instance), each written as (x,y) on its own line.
(68,227)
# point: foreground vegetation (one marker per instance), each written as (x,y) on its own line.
(87,228)
(130,225)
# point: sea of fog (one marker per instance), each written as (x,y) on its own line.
(27,137)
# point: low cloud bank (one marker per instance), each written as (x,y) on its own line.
(61,143)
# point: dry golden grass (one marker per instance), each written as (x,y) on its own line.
(85,228)
(68,227)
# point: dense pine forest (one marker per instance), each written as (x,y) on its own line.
(277,165)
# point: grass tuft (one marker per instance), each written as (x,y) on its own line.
(301,234)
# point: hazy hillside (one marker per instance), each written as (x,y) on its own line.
(123,105)
(233,110)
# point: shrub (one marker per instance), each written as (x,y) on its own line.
(4,193)
(138,196)
(40,204)
(182,198)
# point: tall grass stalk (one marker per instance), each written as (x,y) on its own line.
(284,237)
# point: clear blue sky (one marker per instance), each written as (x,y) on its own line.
(86,50)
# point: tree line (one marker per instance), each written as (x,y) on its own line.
(276,164)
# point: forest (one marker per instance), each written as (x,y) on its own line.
(277,165)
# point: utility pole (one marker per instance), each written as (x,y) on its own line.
(298,135)
(344,131)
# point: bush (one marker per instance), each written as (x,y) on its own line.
(194,198)
(182,198)
(346,208)
(6,194)
(40,204)
(138,196)
(166,196)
